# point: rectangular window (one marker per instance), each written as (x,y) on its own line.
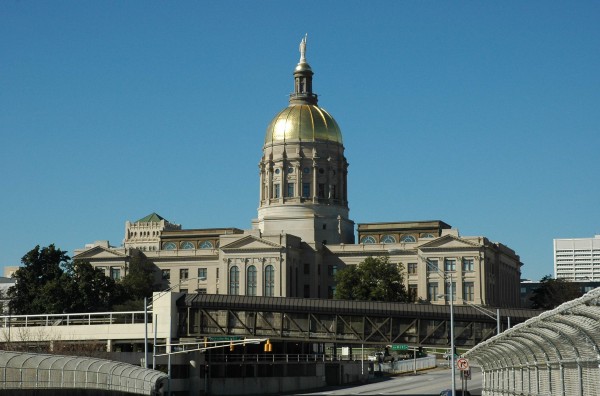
(166,274)
(453,290)
(412,268)
(331,270)
(276,191)
(103,269)
(290,189)
(468,291)
(468,265)
(115,273)
(321,190)
(306,268)
(432,291)
(450,265)
(202,273)
(432,265)
(306,190)
(217,275)
(201,291)
(183,273)
(306,291)
(333,192)
(412,293)
(183,290)
(330,292)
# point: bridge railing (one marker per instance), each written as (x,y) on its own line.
(75,319)
(555,353)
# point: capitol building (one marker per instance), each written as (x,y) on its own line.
(303,233)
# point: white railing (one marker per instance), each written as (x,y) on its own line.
(76,319)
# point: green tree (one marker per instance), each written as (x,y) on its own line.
(38,287)
(373,279)
(90,290)
(139,281)
(49,282)
(553,292)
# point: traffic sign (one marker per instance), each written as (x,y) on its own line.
(466,374)
(225,338)
(462,364)
(399,347)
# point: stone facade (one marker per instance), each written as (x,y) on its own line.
(303,233)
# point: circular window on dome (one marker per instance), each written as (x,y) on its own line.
(290,170)
(388,239)
(277,171)
(187,245)
(408,238)
(169,246)
(306,170)
(368,240)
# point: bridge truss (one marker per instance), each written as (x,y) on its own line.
(336,321)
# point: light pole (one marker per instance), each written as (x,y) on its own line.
(146,306)
(451,297)
(445,277)
(489,314)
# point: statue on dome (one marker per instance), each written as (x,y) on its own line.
(303,48)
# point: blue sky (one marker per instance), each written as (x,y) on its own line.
(485,115)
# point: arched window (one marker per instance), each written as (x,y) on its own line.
(368,239)
(169,246)
(206,245)
(251,281)
(388,239)
(408,238)
(234,281)
(269,280)
(427,235)
(187,245)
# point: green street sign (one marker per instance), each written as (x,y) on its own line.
(225,338)
(399,347)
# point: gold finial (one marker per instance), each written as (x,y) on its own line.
(303,49)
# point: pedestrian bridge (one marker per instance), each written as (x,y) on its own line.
(555,353)
(41,374)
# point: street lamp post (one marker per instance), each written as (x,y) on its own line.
(489,314)
(452,335)
(450,296)
(146,306)
(445,277)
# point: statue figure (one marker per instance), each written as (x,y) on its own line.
(303,49)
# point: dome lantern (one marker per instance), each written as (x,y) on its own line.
(303,120)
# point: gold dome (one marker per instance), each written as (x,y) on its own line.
(303,122)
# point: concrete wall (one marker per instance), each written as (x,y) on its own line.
(327,373)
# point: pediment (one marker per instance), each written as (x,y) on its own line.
(250,242)
(449,242)
(99,252)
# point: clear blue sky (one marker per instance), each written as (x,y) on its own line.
(485,115)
